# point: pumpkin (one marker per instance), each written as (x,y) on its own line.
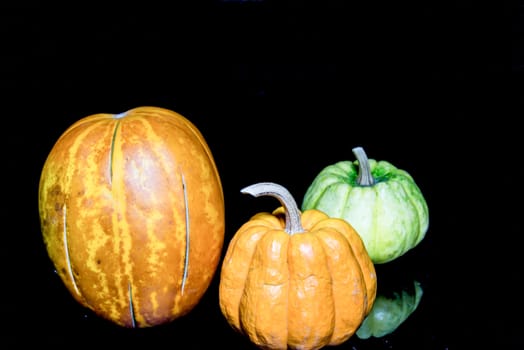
(295,280)
(132,214)
(382,202)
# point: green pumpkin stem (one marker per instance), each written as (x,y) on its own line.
(364,171)
(293,215)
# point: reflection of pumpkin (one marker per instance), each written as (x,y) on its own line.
(295,280)
(388,313)
(132,214)
(383,203)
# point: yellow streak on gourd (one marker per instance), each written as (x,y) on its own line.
(154,300)
(93,190)
(205,187)
(90,188)
(157,247)
(76,227)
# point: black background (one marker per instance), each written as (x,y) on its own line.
(280,90)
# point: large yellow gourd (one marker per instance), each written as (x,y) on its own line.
(132,214)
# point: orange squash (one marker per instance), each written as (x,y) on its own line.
(132,214)
(295,280)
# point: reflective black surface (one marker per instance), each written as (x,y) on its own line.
(280,91)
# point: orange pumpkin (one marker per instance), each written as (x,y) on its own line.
(295,280)
(132,214)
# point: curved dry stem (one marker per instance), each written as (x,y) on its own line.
(293,215)
(364,171)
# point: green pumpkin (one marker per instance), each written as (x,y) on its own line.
(382,203)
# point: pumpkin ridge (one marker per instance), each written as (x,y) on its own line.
(390,195)
(416,221)
(122,246)
(227,303)
(374,223)
(264,329)
(143,305)
(157,146)
(419,208)
(67,181)
(304,300)
(344,324)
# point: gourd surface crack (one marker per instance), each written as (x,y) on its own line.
(66,249)
(131,308)
(186,258)
(112,150)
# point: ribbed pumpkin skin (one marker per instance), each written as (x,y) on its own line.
(391,216)
(121,200)
(301,291)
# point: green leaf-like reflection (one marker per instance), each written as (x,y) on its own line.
(388,314)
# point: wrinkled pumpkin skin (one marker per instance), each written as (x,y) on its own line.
(132,214)
(301,291)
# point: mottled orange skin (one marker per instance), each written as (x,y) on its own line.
(112,203)
(302,291)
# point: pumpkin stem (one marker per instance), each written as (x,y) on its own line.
(293,222)
(364,172)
